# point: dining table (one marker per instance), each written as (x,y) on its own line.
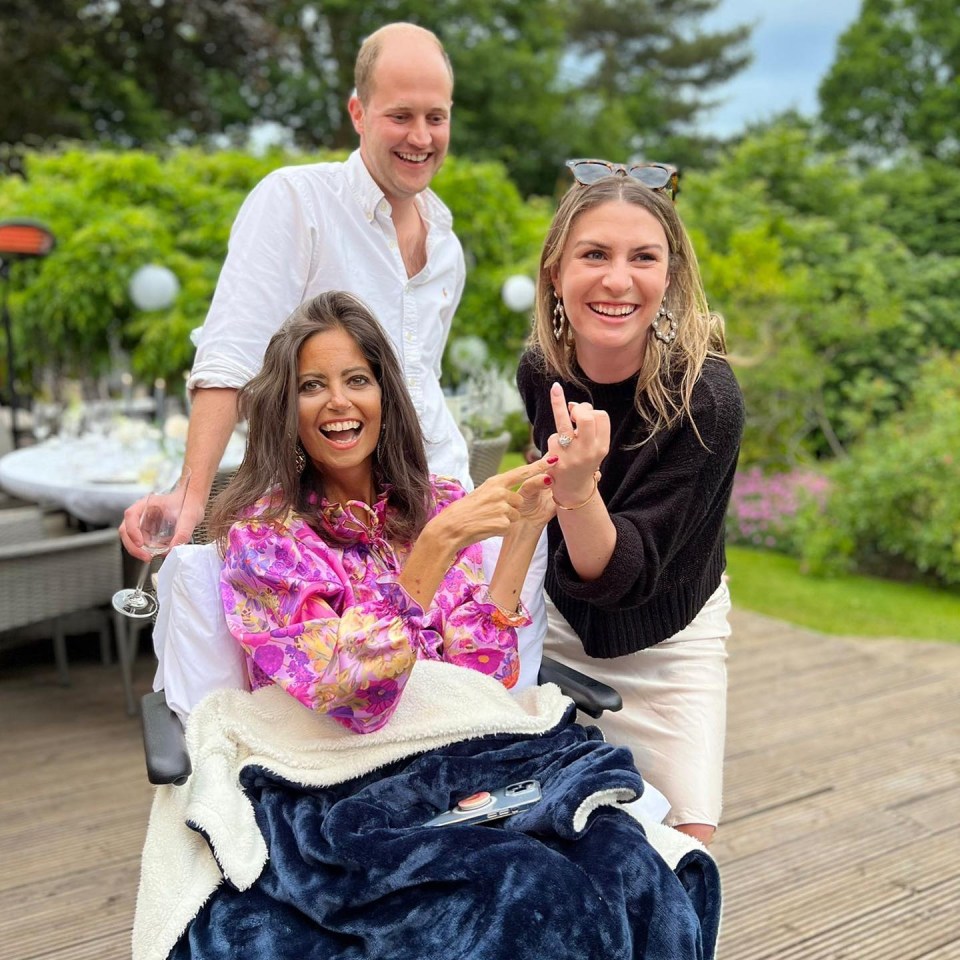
(96,476)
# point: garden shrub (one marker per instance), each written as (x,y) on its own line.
(770,510)
(894,503)
(114,211)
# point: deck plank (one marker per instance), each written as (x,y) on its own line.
(841,830)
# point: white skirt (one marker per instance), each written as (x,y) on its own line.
(674,712)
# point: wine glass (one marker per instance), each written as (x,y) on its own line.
(158,524)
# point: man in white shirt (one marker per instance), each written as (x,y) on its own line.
(370,226)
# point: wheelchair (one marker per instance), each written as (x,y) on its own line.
(251,852)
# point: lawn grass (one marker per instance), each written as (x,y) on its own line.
(511,460)
(772,583)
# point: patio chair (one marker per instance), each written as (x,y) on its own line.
(222,477)
(485,456)
(51,577)
(179,875)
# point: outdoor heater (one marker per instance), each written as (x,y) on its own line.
(19,240)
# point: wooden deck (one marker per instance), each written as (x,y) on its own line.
(841,836)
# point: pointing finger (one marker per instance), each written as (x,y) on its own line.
(561,414)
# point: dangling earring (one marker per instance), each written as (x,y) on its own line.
(299,458)
(664,314)
(559,319)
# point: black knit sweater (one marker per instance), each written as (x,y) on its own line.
(667,500)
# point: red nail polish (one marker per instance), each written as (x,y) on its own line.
(548,480)
(552,459)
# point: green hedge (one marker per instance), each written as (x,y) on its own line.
(115,211)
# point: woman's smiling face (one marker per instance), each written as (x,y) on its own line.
(339,413)
(612,277)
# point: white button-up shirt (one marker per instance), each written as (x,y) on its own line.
(326,226)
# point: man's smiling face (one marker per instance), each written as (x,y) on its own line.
(404,126)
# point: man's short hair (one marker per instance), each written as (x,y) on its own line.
(370,51)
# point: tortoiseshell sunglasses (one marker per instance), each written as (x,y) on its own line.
(656,176)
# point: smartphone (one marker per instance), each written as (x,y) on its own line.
(485,806)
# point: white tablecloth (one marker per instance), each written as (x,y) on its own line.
(93,477)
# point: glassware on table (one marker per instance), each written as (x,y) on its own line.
(158,524)
(45,416)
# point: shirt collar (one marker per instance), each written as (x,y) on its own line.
(370,197)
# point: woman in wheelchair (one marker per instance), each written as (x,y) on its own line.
(345,561)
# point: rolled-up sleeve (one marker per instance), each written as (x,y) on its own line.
(262,281)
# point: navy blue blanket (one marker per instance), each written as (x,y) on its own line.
(353,873)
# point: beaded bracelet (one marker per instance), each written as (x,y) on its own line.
(593,493)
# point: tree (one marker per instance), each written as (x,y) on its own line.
(131,72)
(537,81)
(650,69)
(922,204)
(895,84)
(836,311)
(508,104)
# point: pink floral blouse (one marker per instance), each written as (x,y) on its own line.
(330,624)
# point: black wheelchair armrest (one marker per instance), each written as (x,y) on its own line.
(591,696)
(164,744)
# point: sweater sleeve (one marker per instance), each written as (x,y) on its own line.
(291,607)
(673,489)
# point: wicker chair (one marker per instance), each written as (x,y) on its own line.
(52,577)
(220,481)
(485,456)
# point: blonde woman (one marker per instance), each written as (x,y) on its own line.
(625,382)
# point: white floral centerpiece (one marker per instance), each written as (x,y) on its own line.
(486,394)
(164,466)
(175,430)
(130,432)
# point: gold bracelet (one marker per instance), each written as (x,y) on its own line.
(593,493)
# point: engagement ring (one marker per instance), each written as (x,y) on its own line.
(564,439)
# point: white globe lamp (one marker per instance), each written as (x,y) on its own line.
(153,287)
(518,293)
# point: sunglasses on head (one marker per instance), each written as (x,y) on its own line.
(656,176)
